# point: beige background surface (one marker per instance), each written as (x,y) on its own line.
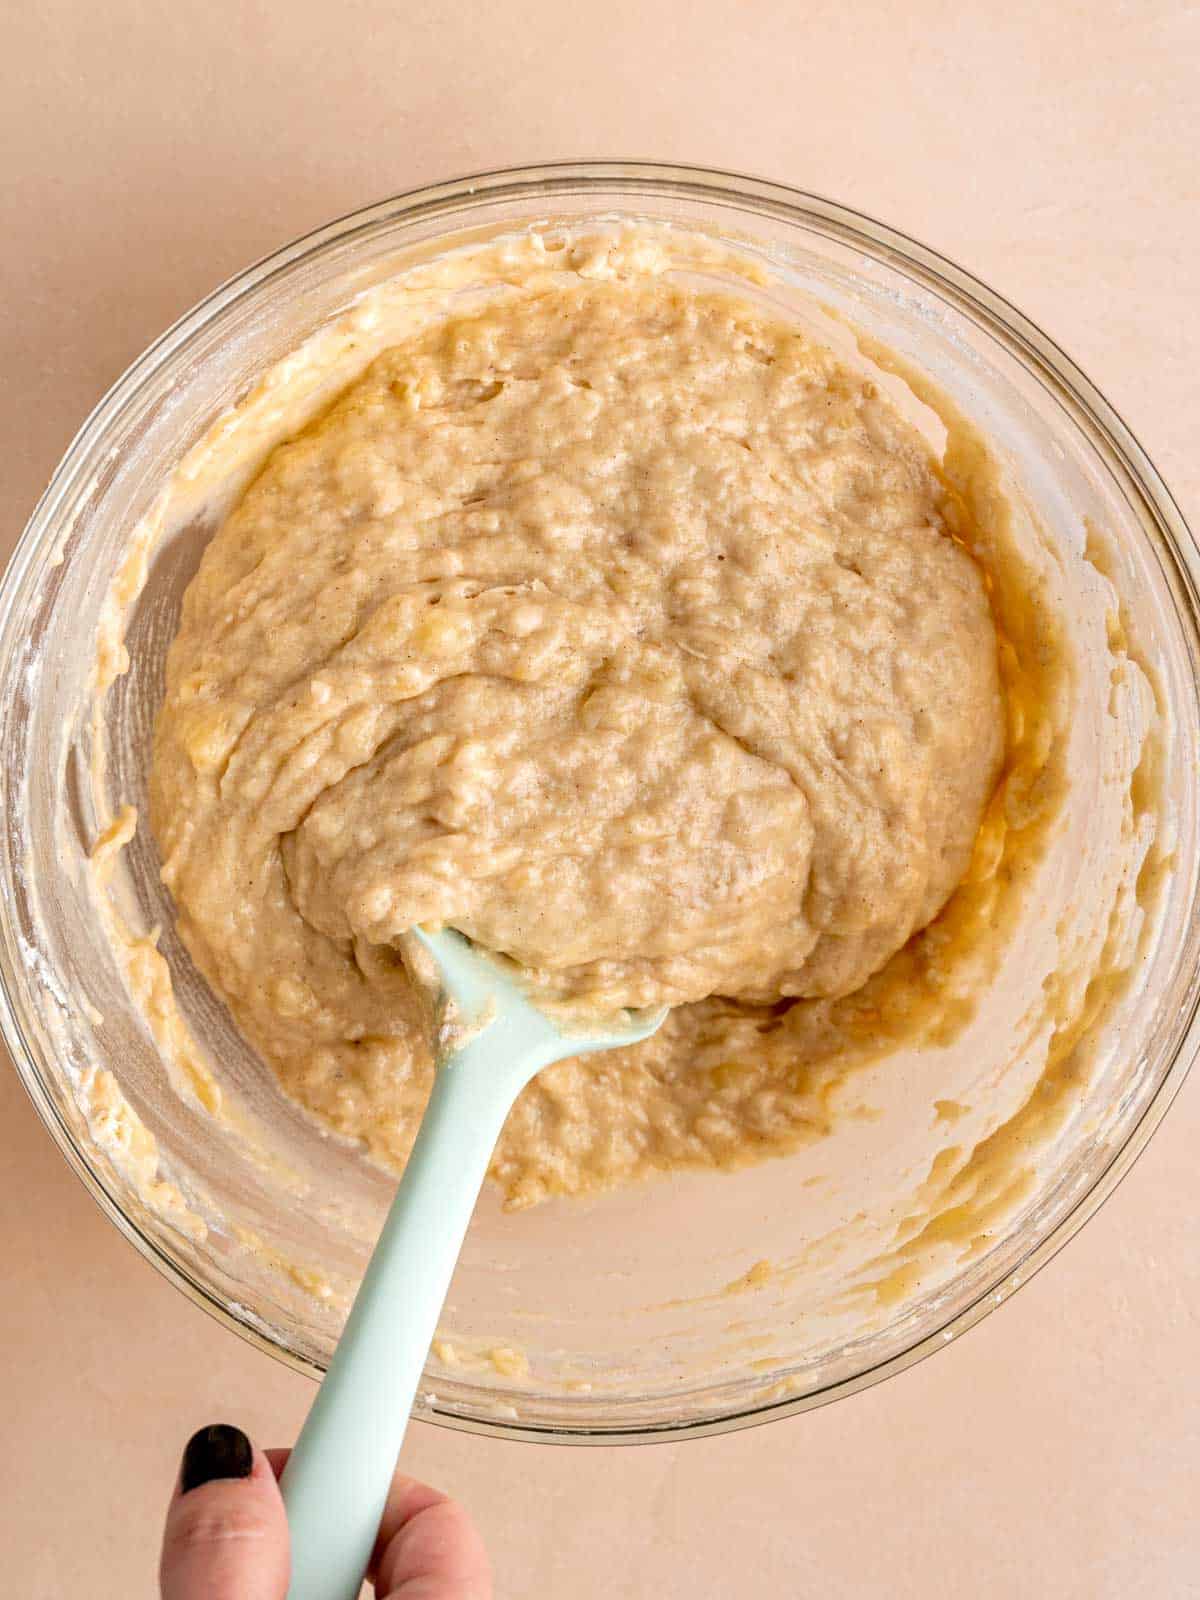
(149,151)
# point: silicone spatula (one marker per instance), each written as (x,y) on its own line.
(336,1481)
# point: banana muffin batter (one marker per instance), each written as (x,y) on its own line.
(623,628)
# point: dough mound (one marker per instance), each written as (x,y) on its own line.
(617,626)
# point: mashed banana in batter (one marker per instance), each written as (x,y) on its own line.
(626,629)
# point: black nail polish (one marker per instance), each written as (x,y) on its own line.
(219,1451)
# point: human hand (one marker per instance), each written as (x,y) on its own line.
(226,1536)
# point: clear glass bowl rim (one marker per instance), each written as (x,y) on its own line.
(664,180)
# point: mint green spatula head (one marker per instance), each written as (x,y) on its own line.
(336,1481)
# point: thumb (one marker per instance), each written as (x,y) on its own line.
(226,1536)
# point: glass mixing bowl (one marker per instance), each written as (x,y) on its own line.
(652,1311)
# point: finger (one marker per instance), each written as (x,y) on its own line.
(226,1535)
(428,1548)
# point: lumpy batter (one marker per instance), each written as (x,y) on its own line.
(622,628)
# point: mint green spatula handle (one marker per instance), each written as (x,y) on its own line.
(336,1481)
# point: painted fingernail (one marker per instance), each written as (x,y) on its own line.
(219,1451)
